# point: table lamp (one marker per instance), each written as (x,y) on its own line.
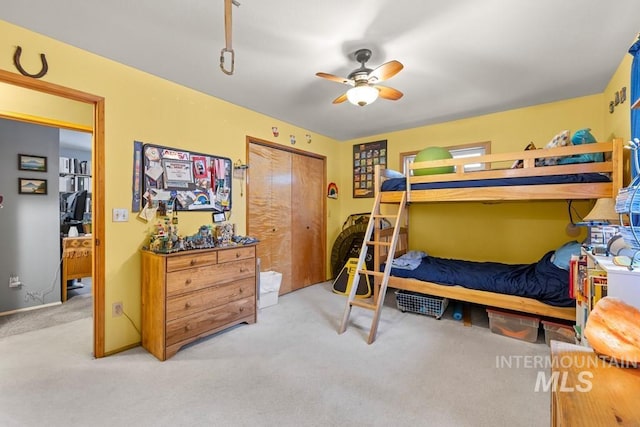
(603,213)
(602,221)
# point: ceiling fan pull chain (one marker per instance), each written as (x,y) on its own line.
(227,36)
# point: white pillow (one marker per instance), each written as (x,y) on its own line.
(560,140)
(390,173)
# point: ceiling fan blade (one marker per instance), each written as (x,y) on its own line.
(385,71)
(340,99)
(335,78)
(389,93)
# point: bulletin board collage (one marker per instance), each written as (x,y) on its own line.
(184,181)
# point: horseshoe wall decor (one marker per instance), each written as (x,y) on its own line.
(16,62)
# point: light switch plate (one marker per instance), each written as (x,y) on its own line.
(120,215)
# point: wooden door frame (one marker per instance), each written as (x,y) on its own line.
(252,140)
(98,171)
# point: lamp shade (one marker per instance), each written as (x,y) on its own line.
(362,95)
(603,211)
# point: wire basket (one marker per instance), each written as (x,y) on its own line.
(428,305)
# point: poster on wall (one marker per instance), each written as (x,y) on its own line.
(365,157)
(185,181)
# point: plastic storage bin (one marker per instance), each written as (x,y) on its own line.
(513,325)
(269,288)
(421,304)
(558,332)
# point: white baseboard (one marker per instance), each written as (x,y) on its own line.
(35,307)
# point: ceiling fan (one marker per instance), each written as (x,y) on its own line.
(365,81)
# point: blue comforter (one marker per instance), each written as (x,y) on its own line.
(541,280)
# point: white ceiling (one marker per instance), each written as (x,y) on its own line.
(461,58)
(74,140)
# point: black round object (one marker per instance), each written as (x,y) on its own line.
(348,245)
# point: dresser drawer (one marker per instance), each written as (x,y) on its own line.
(181,281)
(191,260)
(204,321)
(193,302)
(235,270)
(236,254)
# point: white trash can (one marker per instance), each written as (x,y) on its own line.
(269,288)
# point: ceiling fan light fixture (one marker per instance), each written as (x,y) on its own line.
(362,95)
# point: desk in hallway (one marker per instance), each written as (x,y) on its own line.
(77,256)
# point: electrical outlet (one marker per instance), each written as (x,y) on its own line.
(117,309)
(14,281)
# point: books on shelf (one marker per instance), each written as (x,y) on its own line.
(597,286)
(71,165)
(71,183)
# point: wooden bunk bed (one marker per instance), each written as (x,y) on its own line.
(555,185)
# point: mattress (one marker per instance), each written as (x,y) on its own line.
(542,280)
(400,184)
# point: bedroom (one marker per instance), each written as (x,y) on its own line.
(509,130)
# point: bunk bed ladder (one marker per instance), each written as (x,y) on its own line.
(372,238)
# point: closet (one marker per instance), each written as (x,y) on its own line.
(286,212)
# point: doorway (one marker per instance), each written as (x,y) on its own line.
(98,158)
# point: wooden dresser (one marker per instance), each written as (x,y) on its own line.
(189,295)
(588,391)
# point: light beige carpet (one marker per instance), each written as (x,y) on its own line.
(78,307)
(290,369)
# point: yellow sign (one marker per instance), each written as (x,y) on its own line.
(344,281)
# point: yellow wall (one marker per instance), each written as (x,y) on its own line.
(14,99)
(618,123)
(139,106)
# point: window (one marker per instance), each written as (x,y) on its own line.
(457,151)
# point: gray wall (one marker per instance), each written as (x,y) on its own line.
(29,224)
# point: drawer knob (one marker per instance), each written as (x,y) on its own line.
(187,305)
(188,281)
(188,328)
(193,262)
(237,254)
(241,309)
(241,290)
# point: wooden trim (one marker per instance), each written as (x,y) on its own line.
(275,146)
(99,232)
(98,187)
(43,121)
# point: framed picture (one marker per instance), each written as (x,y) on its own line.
(32,186)
(32,163)
(365,157)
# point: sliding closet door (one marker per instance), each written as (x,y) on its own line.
(286,211)
(307,189)
(269,209)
